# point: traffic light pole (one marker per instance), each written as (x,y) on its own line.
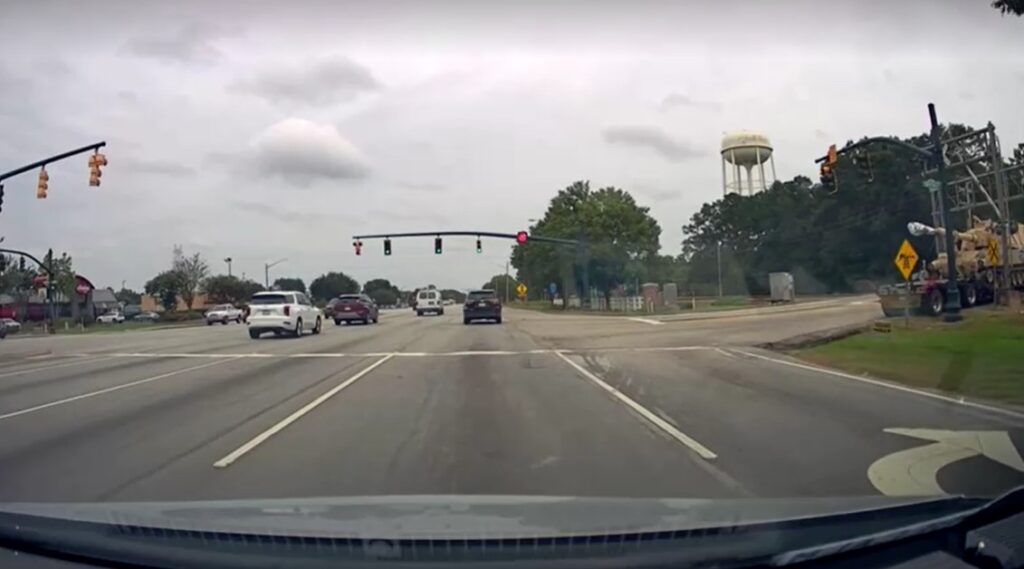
(934,152)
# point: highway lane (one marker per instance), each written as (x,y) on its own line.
(543,404)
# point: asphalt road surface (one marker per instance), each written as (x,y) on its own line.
(542,404)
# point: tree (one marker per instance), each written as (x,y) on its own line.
(618,233)
(224,289)
(330,285)
(14,280)
(63,275)
(1015,7)
(290,283)
(191,272)
(128,296)
(164,287)
(500,284)
(382,291)
(452,294)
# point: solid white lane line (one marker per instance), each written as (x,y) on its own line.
(657,421)
(260,438)
(888,385)
(56,366)
(108,390)
(406,354)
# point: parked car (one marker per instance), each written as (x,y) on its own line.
(353,308)
(10,325)
(146,317)
(110,318)
(428,300)
(223,313)
(481,304)
(283,312)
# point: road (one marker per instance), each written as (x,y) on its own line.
(542,404)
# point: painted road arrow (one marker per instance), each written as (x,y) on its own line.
(913,472)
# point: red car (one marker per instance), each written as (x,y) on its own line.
(352,308)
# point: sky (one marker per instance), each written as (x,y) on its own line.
(263,131)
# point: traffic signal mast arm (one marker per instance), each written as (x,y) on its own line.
(42,265)
(94,147)
(513,236)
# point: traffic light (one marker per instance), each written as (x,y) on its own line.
(358,246)
(521,237)
(479,246)
(42,185)
(828,177)
(21,263)
(387,246)
(95,161)
(437,245)
(833,155)
(3,263)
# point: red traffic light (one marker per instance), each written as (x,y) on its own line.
(521,237)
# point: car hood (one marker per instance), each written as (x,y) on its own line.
(466,517)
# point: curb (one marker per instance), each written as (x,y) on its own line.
(814,338)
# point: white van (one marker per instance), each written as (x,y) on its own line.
(429,300)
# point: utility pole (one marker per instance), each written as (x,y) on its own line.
(719,269)
(228,261)
(506,282)
(951,312)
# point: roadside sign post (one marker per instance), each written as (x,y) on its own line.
(906,259)
(521,290)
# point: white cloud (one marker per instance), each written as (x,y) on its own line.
(303,151)
(653,138)
(322,82)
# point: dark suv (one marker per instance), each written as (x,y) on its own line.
(352,308)
(481,305)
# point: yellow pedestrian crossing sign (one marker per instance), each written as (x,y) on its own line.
(521,289)
(992,252)
(906,259)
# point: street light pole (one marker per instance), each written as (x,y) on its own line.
(228,261)
(951,312)
(266,271)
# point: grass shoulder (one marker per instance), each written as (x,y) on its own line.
(981,356)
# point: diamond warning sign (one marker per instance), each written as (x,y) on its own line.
(906,259)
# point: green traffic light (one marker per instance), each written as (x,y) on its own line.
(437,246)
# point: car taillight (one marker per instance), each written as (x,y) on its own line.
(287,310)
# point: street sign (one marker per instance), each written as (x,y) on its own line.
(906,259)
(552,288)
(992,252)
(521,289)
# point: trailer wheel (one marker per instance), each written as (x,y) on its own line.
(933,302)
(969,293)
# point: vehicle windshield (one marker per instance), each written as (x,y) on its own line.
(739,253)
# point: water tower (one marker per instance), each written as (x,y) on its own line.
(746,150)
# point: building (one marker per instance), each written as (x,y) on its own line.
(152,304)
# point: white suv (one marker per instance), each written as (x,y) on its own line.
(283,312)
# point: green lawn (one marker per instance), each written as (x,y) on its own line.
(983,356)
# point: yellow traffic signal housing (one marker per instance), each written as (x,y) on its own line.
(95,161)
(833,156)
(42,186)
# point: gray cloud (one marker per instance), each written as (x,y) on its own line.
(323,82)
(652,138)
(302,151)
(276,212)
(422,186)
(674,100)
(190,44)
(160,167)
